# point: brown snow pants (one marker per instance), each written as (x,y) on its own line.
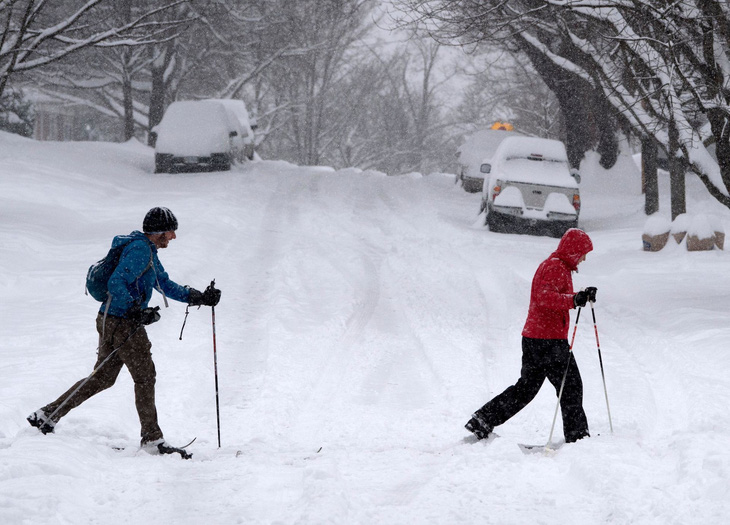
(132,346)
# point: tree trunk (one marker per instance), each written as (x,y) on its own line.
(650,181)
(676,173)
(127,95)
(158,89)
(587,123)
(128,102)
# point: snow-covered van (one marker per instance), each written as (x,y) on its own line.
(531,188)
(197,135)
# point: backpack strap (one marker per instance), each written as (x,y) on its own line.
(103,322)
(157,281)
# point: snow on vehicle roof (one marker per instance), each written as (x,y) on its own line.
(238,108)
(481,145)
(533,160)
(524,147)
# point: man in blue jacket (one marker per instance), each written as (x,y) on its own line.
(121,326)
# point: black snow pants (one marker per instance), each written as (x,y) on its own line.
(543,358)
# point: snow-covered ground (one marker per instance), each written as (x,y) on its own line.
(363,319)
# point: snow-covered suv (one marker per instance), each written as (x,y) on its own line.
(531,188)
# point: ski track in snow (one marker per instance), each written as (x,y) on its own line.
(364,318)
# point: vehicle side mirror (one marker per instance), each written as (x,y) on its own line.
(576,175)
(233,134)
(485,168)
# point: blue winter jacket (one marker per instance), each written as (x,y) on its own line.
(125,289)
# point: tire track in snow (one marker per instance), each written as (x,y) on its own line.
(362,271)
(269,248)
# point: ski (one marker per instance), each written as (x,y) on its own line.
(473,439)
(165,449)
(550,448)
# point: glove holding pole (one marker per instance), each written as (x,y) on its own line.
(209,297)
(585,296)
(144,316)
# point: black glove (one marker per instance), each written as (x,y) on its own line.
(580,299)
(210,297)
(591,291)
(146,316)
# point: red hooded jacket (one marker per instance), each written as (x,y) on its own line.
(552,293)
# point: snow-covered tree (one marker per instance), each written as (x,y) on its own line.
(321,35)
(662,68)
(36,33)
(505,87)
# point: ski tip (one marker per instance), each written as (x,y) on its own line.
(550,448)
(191,442)
(470,439)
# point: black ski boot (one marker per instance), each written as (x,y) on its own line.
(160,446)
(39,419)
(480,428)
(164,448)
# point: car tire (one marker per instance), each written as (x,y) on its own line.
(559,230)
(220,162)
(495,225)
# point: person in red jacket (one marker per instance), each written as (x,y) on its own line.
(545,348)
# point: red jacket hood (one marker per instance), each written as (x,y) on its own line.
(573,246)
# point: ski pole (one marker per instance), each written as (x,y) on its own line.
(215,369)
(565,375)
(185,320)
(600,360)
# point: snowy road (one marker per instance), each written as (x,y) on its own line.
(363,319)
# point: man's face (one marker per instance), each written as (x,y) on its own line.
(161,240)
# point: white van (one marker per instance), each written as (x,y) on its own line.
(197,135)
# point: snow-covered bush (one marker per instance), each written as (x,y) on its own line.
(680,224)
(656,232)
(700,234)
